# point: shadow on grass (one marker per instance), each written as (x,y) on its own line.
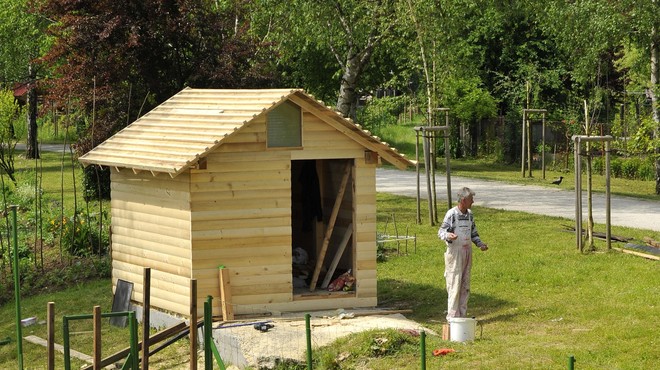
(428,302)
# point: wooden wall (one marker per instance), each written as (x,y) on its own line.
(241,214)
(151,228)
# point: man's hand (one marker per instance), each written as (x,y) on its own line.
(483,247)
(451,236)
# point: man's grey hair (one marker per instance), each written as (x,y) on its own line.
(465,193)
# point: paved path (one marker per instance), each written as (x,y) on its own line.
(625,211)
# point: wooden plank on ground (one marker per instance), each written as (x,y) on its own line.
(42,342)
(649,256)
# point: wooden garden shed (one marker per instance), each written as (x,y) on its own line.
(247,180)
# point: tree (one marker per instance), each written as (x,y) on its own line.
(10,113)
(22,42)
(347,30)
(118,58)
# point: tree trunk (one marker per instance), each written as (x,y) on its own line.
(32,147)
(655,43)
(347,101)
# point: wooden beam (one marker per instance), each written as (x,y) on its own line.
(79,355)
(225,294)
(331,226)
(335,261)
(50,327)
(97,337)
(649,256)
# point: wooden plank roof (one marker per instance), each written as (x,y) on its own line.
(176,134)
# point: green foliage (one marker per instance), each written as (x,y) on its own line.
(492,149)
(469,100)
(633,168)
(379,112)
(81,233)
(96,183)
(10,127)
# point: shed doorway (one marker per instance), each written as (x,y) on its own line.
(315,186)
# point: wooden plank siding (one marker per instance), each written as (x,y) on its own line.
(151,228)
(241,214)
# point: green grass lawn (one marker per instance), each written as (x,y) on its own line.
(537,298)
(78,299)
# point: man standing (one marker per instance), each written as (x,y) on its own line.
(459,231)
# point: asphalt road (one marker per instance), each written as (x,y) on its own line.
(550,201)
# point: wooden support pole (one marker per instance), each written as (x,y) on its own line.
(335,261)
(50,328)
(97,338)
(331,226)
(193,321)
(225,294)
(146,316)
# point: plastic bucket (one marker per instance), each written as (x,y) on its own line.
(462,329)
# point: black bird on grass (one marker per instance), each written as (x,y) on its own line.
(558,181)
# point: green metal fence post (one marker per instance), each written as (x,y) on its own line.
(17,288)
(208,316)
(571,362)
(308,334)
(132,326)
(65,344)
(422,348)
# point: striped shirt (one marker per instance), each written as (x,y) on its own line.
(450,222)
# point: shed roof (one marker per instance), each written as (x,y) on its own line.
(176,134)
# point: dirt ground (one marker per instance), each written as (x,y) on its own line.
(241,345)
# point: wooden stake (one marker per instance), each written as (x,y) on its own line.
(225,294)
(50,327)
(97,337)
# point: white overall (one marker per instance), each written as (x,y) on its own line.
(458,263)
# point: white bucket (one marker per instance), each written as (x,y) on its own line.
(462,329)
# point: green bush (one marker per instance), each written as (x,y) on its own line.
(80,234)
(629,168)
(381,112)
(646,171)
(598,165)
(96,183)
(616,165)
